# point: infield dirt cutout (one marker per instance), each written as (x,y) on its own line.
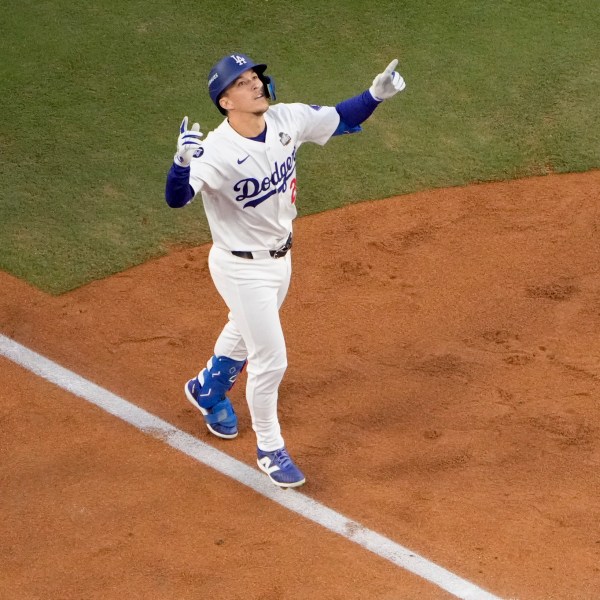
(443,389)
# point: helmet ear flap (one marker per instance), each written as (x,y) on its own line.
(269,84)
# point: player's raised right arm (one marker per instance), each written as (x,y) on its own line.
(188,143)
(178,191)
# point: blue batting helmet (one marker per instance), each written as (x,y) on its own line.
(228,69)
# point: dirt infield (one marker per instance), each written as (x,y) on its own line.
(443,389)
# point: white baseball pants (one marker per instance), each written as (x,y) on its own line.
(254,290)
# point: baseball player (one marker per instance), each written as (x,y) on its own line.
(245,171)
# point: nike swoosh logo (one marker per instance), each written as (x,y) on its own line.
(241,160)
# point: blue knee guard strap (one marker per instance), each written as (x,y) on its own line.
(222,414)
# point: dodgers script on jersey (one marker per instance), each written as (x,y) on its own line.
(257,179)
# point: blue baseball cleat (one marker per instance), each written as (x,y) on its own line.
(220,418)
(280,468)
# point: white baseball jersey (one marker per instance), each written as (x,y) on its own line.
(249,187)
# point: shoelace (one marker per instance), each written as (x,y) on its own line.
(282,458)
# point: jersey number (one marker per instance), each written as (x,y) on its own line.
(293,190)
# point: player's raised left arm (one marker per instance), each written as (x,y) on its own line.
(388,83)
(358,109)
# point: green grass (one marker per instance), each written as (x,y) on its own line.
(92,95)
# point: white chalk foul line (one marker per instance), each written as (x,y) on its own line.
(240,472)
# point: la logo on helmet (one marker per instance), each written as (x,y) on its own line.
(240,60)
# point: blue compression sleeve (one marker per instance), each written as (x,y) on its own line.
(358,109)
(178,191)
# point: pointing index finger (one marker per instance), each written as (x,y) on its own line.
(391,67)
(183,126)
